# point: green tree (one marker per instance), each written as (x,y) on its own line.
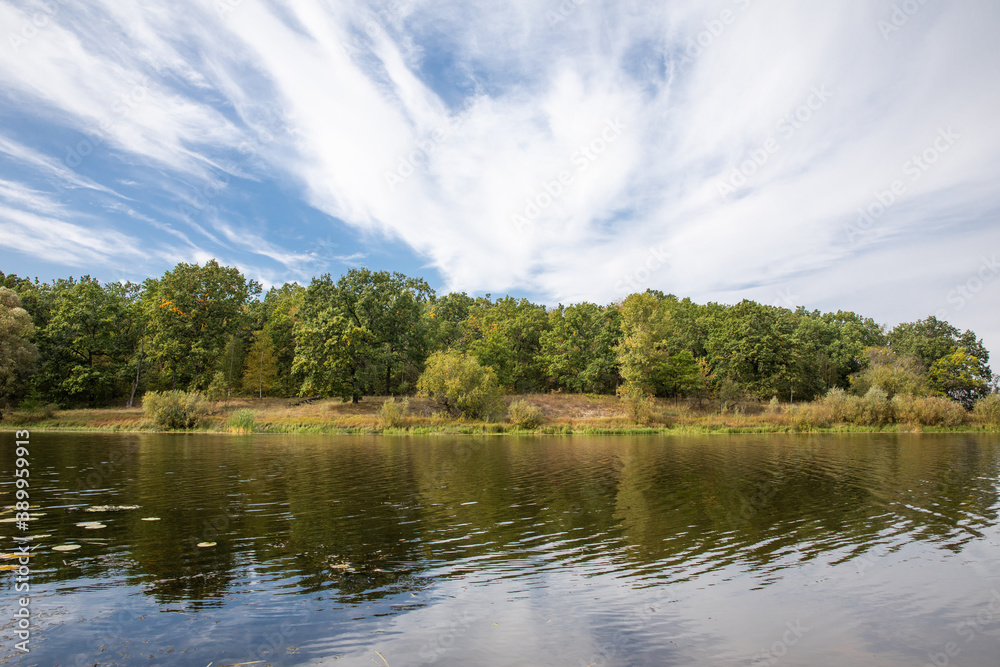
(578,349)
(194,314)
(462,385)
(90,341)
(959,376)
(755,346)
(506,336)
(446,320)
(17,352)
(358,334)
(892,374)
(261,368)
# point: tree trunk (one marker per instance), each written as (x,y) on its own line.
(138,366)
(388,379)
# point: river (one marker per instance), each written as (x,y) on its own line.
(875,549)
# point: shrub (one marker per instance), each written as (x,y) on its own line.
(987,410)
(637,403)
(890,373)
(875,409)
(523,415)
(462,386)
(929,411)
(393,414)
(817,414)
(174,409)
(242,421)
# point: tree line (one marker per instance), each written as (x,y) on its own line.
(76,342)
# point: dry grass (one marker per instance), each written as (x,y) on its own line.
(563,413)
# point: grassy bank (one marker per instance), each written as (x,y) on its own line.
(561,414)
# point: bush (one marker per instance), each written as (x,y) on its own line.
(174,409)
(987,410)
(393,414)
(637,403)
(874,409)
(929,411)
(523,415)
(817,414)
(242,421)
(462,386)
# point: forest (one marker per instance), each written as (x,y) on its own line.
(75,342)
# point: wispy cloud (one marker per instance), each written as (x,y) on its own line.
(749,134)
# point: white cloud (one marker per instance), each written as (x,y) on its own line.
(328,100)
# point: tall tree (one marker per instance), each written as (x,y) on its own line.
(578,349)
(17,352)
(194,313)
(89,341)
(506,336)
(355,334)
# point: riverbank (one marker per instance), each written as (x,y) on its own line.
(560,414)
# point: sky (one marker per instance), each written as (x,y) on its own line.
(829,155)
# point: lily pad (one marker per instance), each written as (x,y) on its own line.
(66,547)
(150,518)
(110,508)
(15,556)
(8,568)
(90,524)
(206,544)
(95,526)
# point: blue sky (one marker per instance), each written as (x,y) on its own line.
(831,155)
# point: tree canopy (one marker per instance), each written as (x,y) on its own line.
(77,342)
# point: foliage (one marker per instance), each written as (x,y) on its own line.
(890,373)
(393,414)
(194,313)
(260,371)
(958,375)
(506,336)
(370,333)
(754,345)
(578,348)
(523,415)
(637,403)
(174,410)
(17,352)
(218,387)
(88,336)
(987,410)
(928,411)
(354,336)
(462,385)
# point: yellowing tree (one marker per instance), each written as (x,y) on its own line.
(261,369)
(17,353)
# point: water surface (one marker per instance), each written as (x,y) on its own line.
(708,550)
